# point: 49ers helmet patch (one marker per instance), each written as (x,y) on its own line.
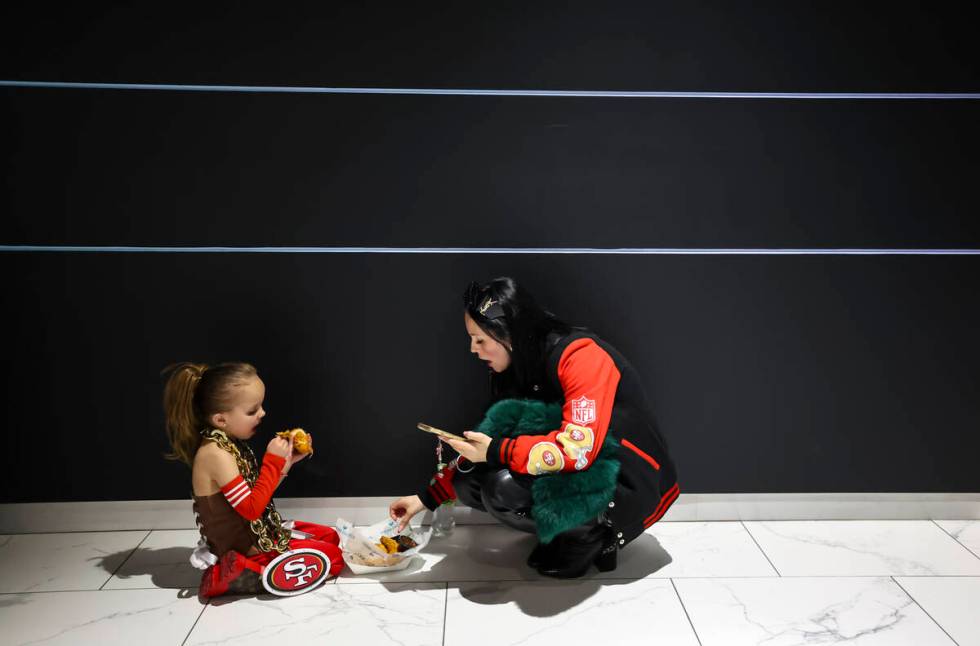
(577,441)
(544,457)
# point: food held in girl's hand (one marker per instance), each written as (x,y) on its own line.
(302,441)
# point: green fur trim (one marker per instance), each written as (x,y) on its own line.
(562,500)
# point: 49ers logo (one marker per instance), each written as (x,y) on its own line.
(583,411)
(544,457)
(577,442)
(296,572)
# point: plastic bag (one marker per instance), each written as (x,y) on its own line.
(363,553)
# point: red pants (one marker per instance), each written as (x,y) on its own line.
(321,538)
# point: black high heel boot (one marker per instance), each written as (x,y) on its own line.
(606,561)
(580,548)
(544,555)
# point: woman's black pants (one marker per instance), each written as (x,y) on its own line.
(500,493)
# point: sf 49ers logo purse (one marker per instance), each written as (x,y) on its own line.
(296,572)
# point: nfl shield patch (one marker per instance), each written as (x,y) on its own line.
(296,572)
(583,411)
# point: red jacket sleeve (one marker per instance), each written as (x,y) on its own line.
(440,488)
(589,378)
(248,501)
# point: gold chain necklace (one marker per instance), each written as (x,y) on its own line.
(267,527)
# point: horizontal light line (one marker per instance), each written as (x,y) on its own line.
(607,94)
(616,251)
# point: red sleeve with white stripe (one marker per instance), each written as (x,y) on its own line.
(248,501)
(440,488)
(589,378)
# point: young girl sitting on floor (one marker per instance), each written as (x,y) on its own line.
(210,412)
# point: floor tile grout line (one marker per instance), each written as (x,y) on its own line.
(958,542)
(752,536)
(568,582)
(98,531)
(445,612)
(201,614)
(125,560)
(99,590)
(478,525)
(686,613)
(916,602)
(877,575)
(82,590)
(664,578)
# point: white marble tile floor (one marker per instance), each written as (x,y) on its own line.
(951,601)
(862,548)
(785,611)
(409,614)
(62,562)
(965,532)
(685,583)
(621,611)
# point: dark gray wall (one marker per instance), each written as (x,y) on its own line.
(768,373)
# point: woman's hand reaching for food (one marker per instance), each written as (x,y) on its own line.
(474,448)
(403,509)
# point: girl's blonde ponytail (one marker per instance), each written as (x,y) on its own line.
(183,425)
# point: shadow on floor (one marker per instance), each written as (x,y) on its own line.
(640,559)
(168,567)
(9,600)
(536,596)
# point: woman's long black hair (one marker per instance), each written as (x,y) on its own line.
(509,314)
